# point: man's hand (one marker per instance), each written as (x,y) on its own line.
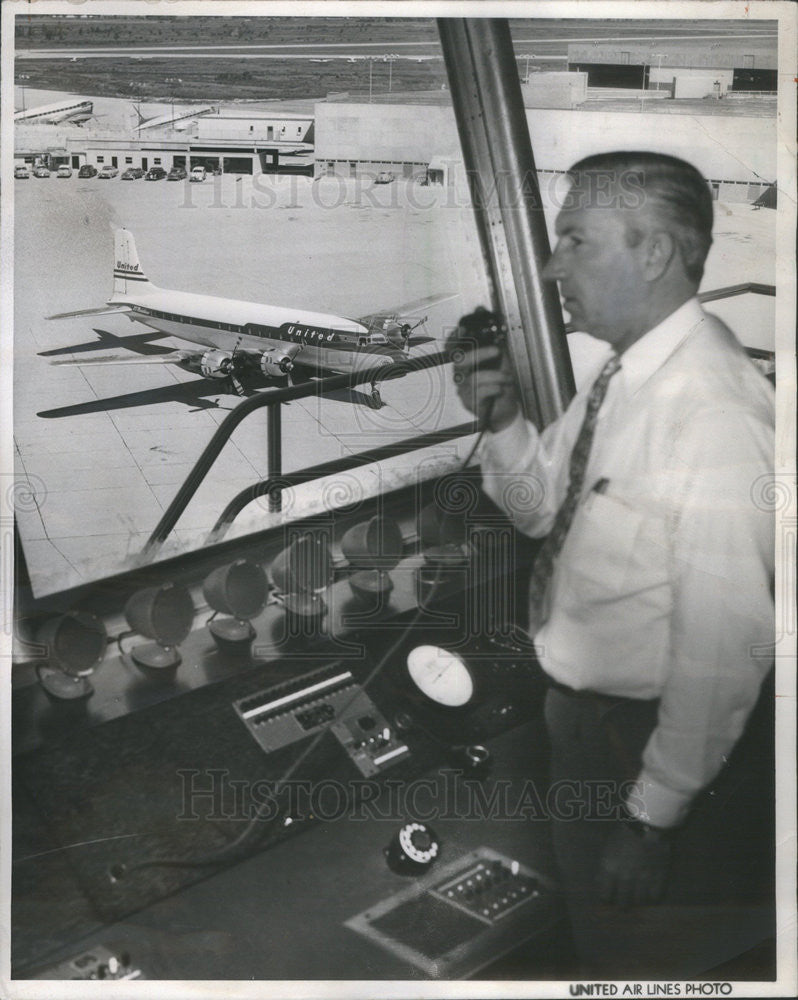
(488,392)
(634,866)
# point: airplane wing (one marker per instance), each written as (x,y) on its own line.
(379,321)
(173,358)
(99,311)
(138,343)
(407,308)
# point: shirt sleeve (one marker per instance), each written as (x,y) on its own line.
(525,472)
(722,624)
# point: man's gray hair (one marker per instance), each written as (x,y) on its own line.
(673,188)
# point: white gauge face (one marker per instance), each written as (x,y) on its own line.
(441,675)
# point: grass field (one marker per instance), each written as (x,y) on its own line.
(343,46)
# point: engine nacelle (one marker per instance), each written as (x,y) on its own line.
(280,361)
(215,363)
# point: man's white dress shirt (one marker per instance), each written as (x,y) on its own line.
(662,588)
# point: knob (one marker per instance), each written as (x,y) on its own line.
(414,849)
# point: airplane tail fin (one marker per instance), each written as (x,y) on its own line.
(129,279)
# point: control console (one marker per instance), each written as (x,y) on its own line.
(458,918)
(99,963)
(330,698)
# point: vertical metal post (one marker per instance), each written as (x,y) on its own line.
(491,120)
(274,435)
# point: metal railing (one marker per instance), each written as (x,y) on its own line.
(273,400)
(273,487)
(731,290)
(276,480)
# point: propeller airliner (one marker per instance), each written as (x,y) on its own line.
(240,340)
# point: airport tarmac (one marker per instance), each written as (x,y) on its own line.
(101,477)
(92,484)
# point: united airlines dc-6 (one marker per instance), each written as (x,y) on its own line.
(245,340)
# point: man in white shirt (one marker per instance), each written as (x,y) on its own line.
(652,606)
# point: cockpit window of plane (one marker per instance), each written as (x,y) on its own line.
(311,219)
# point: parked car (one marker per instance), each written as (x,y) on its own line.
(132,174)
(177,174)
(21,173)
(155,174)
(107,171)
(197,174)
(384,177)
(41,171)
(64,171)
(87,170)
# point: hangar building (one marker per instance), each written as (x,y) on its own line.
(233,143)
(721,65)
(735,152)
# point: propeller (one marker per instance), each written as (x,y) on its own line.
(406,329)
(235,367)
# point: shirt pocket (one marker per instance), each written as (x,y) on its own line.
(603,554)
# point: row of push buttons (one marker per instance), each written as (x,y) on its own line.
(491,890)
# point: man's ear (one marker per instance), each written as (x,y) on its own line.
(659,250)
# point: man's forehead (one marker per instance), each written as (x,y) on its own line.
(586,218)
(604,189)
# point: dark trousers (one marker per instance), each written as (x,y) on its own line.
(596,746)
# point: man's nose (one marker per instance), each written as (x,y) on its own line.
(553,269)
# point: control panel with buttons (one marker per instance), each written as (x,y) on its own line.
(368,739)
(456,919)
(490,889)
(330,697)
(100,963)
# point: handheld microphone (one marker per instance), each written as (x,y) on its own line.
(480,328)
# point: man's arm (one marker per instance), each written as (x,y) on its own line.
(721,629)
(523,471)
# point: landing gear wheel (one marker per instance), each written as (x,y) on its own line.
(375,399)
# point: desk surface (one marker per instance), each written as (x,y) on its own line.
(280,914)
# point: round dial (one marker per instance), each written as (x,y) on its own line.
(441,676)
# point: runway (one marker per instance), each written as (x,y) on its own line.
(342,50)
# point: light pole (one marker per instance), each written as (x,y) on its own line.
(659,56)
(390,59)
(23,76)
(371,73)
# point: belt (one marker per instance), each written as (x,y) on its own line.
(589,695)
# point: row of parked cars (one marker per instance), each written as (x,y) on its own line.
(108,171)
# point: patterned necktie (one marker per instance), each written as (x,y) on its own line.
(550,549)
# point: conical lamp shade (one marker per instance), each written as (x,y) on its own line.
(75,642)
(164,613)
(306,565)
(373,544)
(239,589)
(436,527)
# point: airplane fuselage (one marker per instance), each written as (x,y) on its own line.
(327,342)
(77,112)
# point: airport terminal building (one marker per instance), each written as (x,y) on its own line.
(413,136)
(418,140)
(231,143)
